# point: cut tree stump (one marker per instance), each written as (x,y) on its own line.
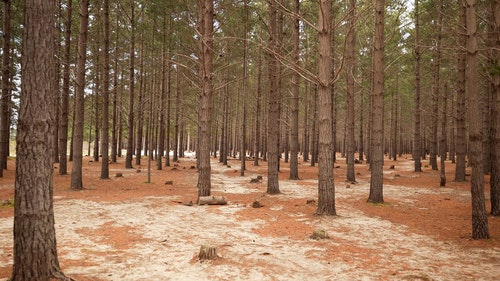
(212,200)
(207,253)
(319,234)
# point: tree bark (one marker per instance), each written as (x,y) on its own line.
(130,133)
(417,149)
(76,170)
(350,83)
(206,26)
(5,95)
(105,97)
(436,90)
(461,141)
(443,142)
(479,218)
(243,136)
(377,159)
(64,120)
(326,186)
(294,132)
(495,112)
(35,251)
(274,100)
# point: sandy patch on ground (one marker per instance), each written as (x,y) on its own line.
(127,229)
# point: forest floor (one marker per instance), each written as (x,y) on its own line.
(127,229)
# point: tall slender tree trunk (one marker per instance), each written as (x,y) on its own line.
(258,102)
(141,105)
(116,121)
(79,108)
(350,72)
(461,141)
(63,134)
(206,26)
(163,98)
(436,90)
(35,249)
(495,111)
(274,100)
(5,95)
(361,145)
(244,92)
(130,133)
(294,131)
(326,186)
(105,97)
(97,94)
(443,141)
(377,159)
(175,157)
(417,146)
(479,218)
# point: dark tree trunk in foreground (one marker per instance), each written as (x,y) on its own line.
(377,152)
(206,26)
(76,171)
(495,112)
(326,187)
(35,251)
(274,105)
(479,218)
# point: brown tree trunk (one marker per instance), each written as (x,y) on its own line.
(206,27)
(274,100)
(443,142)
(163,99)
(258,102)
(131,109)
(244,92)
(141,105)
(63,134)
(326,186)
(461,141)
(377,159)
(175,157)
(5,95)
(495,111)
(97,93)
(105,97)
(76,170)
(350,83)
(35,251)
(479,218)
(294,120)
(436,91)
(116,121)
(417,126)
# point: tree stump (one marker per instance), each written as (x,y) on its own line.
(212,200)
(319,234)
(207,253)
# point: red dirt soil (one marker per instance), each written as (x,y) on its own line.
(443,216)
